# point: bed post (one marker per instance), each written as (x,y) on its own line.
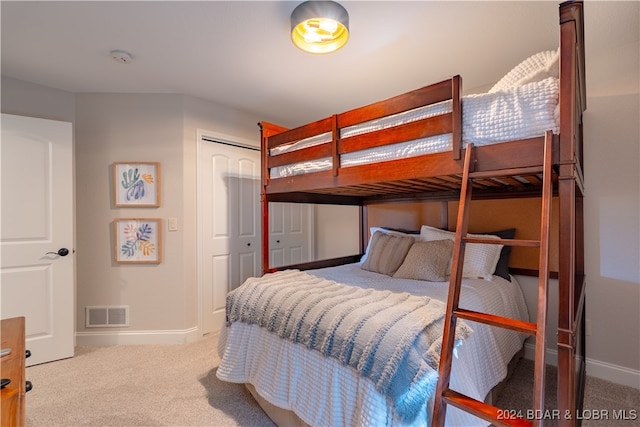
(266,130)
(263,198)
(364,228)
(570,252)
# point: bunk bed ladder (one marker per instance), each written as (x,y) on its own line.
(446,396)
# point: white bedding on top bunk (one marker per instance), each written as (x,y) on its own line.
(323,392)
(519,112)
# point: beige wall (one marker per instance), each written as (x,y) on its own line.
(163,128)
(129,127)
(337,231)
(28,99)
(612,207)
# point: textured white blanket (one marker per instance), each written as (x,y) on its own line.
(392,338)
(322,392)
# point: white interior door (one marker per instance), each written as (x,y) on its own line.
(36,275)
(291,233)
(229,225)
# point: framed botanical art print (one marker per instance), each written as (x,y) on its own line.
(136,184)
(138,240)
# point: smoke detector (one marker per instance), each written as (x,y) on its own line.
(121,56)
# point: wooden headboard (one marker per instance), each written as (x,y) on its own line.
(486,215)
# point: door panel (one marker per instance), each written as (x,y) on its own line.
(291,233)
(37,220)
(32,280)
(229,225)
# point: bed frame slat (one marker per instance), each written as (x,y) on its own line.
(427,95)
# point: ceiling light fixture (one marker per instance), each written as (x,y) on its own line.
(319,26)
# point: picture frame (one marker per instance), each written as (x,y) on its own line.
(136,184)
(138,240)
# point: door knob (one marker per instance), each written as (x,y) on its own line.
(61,252)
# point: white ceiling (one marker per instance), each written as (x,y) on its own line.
(239,53)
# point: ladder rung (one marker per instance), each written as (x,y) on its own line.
(506,242)
(496,416)
(499,321)
(506,172)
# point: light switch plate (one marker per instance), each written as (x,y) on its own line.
(173,224)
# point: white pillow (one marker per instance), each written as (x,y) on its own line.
(373,230)
(535,68)
(480,259)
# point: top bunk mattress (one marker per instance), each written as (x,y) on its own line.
(523,104)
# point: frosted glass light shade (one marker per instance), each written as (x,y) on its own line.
(319,26)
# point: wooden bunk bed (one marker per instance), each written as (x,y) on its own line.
(439,176)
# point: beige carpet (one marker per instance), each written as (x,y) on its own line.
(155,385)
(605,403)
(175,385)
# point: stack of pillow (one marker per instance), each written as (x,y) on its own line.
(428,255)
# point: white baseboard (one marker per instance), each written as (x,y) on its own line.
(106,338)
(595,368)
(614,373)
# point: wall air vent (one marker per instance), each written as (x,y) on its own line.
(106,316)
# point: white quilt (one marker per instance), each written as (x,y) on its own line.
(322,392)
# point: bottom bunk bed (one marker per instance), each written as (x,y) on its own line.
(324,374)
